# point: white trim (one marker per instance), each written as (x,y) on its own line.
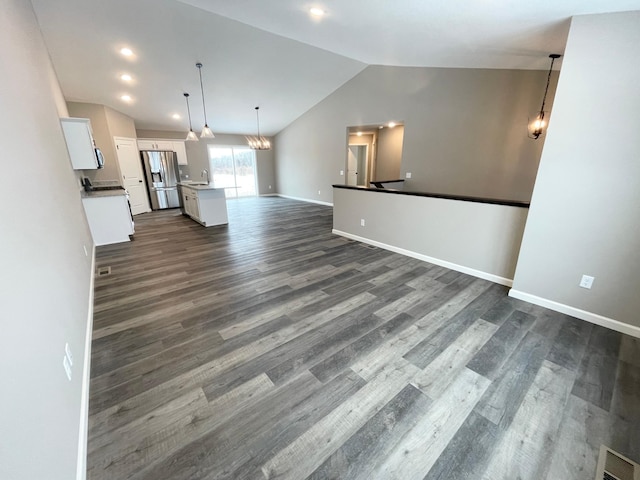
(576,312)
(268,195)
(305,200)
(81,473)
(425,258)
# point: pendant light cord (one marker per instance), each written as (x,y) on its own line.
(544,99)
(186,97)
(258,121)
(204,109)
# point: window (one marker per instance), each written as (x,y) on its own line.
(234,169)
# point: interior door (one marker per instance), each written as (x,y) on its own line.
(352,165)
(132,176)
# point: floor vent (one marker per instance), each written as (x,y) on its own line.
(102,271)
(613,466)
(370,247)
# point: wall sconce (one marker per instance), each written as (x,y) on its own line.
(538,124)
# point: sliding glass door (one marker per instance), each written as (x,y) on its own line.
(234,169)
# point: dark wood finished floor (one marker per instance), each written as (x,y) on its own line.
(273,349)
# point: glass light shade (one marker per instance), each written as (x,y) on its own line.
(258,143)
(207,132)
(537,124)
(191,136)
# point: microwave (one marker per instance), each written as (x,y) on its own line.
(99,158)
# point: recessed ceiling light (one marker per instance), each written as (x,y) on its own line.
(316,12)
(175,116)
(127,52)
(126,77)
(125,98)
(359,134)
(392,124)
(381,127)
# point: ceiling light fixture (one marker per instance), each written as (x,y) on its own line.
(176,116)
(316,12)
(258,143)
(191,136)
(126,77)
(206,131)
(538,125)
(359,134)
(127,52)
(125,98)
(392,124)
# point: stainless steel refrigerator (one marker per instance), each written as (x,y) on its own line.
(162,174)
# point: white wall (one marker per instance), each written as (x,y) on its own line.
(480,239)
(45,282)
(465,131)
(585,210)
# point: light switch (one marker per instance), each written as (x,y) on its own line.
(587,281)
(408,175)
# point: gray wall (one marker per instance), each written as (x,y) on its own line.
(586,204)
(45,284)
(106,123)
(477,238)
(465,131)
(388,163)
(198,157)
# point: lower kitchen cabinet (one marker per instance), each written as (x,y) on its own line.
(205,205)
(109,217)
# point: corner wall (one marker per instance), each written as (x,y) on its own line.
(586,203)
(45,285)
(465,131)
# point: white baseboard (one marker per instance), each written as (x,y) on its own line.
(268,195)
(425,258)
(81,473)
(306,200)
(578,313)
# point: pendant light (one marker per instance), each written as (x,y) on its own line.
(191,136)
(258,143)
(206,131)
(538,124)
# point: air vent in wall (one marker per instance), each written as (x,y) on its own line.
(102,271)
(613,466)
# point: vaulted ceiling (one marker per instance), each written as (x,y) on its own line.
(276,55)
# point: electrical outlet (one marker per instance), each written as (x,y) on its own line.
(269,187)
(342,173)
(318,192)
(67,367)
(362,222)
(67,351)
(408,175)
(586,281)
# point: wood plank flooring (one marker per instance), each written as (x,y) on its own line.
(273,349)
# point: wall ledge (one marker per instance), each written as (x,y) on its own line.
(425,258)
(578,313)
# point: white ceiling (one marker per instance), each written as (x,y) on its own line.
(274,54)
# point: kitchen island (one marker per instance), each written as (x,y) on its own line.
(204,203)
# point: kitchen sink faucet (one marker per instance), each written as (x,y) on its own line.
(205,171)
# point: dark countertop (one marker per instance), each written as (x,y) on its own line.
(495,201)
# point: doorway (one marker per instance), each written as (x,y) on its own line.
(234,169)
(357,165)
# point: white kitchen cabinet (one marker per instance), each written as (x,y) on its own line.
(181,152)
(108,216)
(205,205)
(77,134)
(150,144)
(165,145)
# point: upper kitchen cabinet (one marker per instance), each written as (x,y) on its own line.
(82,151)
(165,145)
